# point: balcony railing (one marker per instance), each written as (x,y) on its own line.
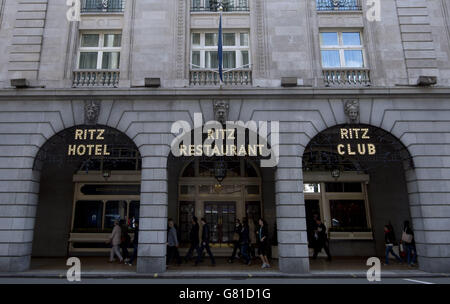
(96,78)
(212,6)
(339,5)
(241,77)
(102,6)
(346,77)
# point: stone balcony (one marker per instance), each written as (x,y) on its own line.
(96,78)
(346,77)
(238,77)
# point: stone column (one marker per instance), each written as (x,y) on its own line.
(153,210)
(18,202)
(290,206)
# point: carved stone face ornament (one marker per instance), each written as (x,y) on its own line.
(221,108)
(91,112)
(351,109)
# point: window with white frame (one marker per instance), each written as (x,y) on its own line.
(236,50)
(342,49)
(99,51)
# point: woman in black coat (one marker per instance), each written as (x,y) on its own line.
(263,242)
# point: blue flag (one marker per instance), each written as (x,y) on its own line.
(220,49)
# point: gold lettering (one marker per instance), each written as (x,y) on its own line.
(344,134)
(71,150)
(100,134)
(340,151)
(365,132)
(372,149)
(105,150)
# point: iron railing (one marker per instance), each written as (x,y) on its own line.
(96,78)
(346,77)
(339,5)
(102,6)
(238,77)
(212,5)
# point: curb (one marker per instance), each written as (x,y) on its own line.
(220,275)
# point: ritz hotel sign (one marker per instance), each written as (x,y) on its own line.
(84,149)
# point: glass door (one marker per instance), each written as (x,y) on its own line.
(220,217)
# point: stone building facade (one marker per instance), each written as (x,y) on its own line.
(279,42)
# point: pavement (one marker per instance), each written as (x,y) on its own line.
(97,268)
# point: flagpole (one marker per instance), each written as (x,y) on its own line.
(220,44)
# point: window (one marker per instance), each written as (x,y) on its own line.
(348,215)
(115,211)
(97,6)
(88,215)
(235,50)
(99,51)
(342,50)
(340,5)
(212,5)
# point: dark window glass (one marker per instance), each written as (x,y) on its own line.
(189,171)
(334,187)
(134,210)
(115,211)
(253,189)
(253,211)
(111,189)
(221,217)
(343,187)
(88,215)
(348,215)
(250,170)
(187,210)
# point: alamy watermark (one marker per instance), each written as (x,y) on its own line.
(374,272)
(74,272)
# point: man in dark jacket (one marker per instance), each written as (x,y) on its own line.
(321,240)
(135,243)
(193,238)
(389,239)
(205,243)
(245,241)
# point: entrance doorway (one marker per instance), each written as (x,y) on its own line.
(238,196)
(81,195)
(221,217)
(356,193)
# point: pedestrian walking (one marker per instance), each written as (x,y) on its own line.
(245,242)
(114,240)
(236,240)
(125,240)
(172,244)
(321,240)
(389,240)
(135,243)
(409,243)
(252,236)
(193,239)
(263,243)
(205,244)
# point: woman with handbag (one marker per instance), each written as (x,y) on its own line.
(409,243)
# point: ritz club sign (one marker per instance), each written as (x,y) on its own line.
(84,145)
(355,141)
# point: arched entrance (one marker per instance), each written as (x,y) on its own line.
(246,192)
(354,180)
(90,176)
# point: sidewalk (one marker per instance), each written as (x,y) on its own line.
(99,268)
